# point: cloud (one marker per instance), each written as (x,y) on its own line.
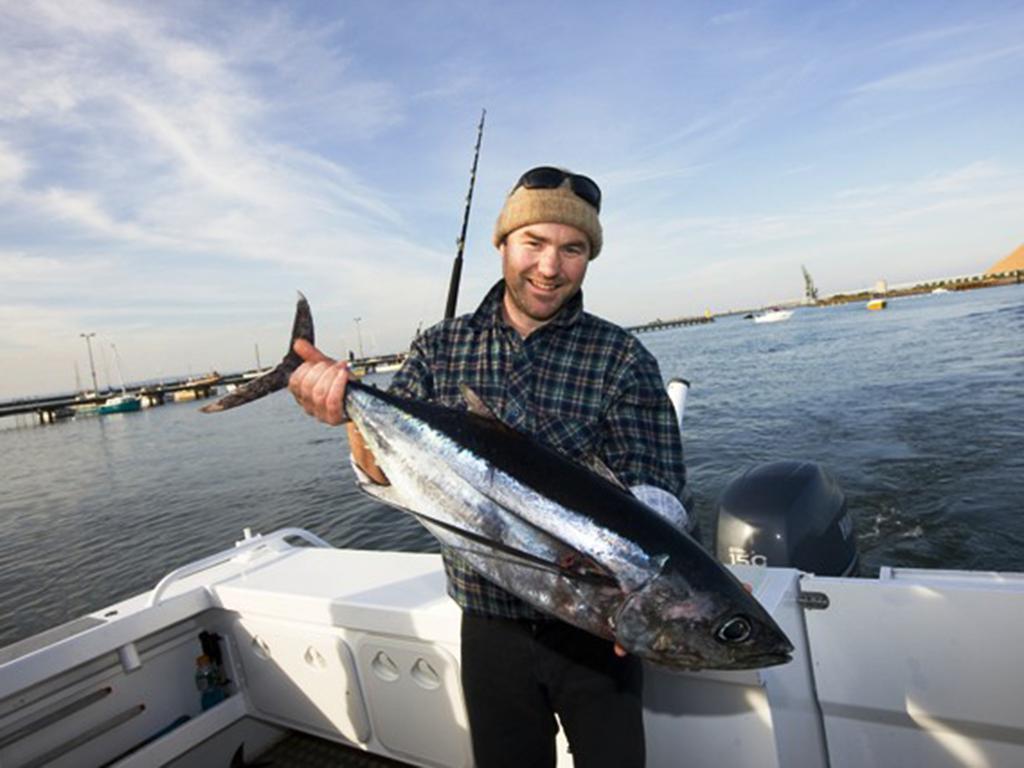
(195,168)
(941,74)
(923,227)
(13,167)
(923,38)
(84,209)
(172,145)
(180,170)
(731,17)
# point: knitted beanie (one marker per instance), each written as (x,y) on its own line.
(558,206)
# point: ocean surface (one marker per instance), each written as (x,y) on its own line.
(917,410)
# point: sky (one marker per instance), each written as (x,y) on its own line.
(172,173)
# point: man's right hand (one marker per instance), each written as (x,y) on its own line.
(318,385)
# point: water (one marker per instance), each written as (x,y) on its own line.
(916,410)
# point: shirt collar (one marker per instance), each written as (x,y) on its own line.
(489,311)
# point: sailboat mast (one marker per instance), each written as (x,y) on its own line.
(117,364)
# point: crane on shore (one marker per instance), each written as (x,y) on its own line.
(810,292)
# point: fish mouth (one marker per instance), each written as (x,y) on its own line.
(760,661)
(698,660)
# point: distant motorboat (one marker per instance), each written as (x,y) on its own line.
(876,304)
(774,315)
(940,290)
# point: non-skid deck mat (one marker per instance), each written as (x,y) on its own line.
(299,750)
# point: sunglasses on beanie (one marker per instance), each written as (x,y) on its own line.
(548,177)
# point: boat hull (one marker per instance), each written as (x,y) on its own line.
(298,625)
(121,405)
(775,316)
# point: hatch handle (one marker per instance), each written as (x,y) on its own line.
(249,544)
(813,601)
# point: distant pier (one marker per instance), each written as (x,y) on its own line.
(54,408)
(660,325)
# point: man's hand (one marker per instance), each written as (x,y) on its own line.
(318,385)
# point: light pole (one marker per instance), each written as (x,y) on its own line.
(92,365)
(359,336)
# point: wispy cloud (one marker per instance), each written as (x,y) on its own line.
(926,38)
(184,125)
(942,74)
(898,231)
(730,17)
(169,173)
(122,130)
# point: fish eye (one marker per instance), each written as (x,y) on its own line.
(735,630)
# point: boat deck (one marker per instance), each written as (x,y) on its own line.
(300,750)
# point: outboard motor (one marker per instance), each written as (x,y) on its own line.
(787,513)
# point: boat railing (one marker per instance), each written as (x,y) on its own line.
(247,545)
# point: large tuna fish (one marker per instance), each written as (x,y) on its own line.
(564,537)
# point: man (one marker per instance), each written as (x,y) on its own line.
(588,388)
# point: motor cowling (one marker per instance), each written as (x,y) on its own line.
(786,513)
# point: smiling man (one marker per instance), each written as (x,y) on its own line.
(588,388)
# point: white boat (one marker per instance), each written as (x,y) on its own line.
(347,651)
(361,649)
(774,315)
(85,409)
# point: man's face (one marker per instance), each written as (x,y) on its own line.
(543,266)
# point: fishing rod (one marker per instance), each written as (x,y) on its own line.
(453,286)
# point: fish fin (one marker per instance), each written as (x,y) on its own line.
(302,328)
(599,467)
(259,387)
(574,565)
(476,403)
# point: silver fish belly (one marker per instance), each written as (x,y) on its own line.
(563,538)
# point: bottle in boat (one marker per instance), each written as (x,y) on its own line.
(208,682)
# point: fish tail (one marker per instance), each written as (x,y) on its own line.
(302,328)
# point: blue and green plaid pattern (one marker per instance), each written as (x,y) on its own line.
(579,383)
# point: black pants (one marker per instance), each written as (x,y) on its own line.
(517,674)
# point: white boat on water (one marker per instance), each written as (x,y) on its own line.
(773,315)
(305,649)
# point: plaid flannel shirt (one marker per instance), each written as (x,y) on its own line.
(579,383)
